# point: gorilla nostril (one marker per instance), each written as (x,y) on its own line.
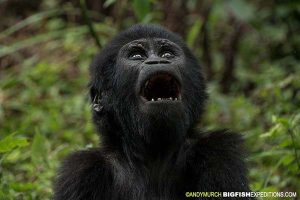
(164,62)
(153,62)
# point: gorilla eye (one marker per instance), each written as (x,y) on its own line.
(167,55)
(136,56)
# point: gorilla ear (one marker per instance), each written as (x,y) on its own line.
(96,100)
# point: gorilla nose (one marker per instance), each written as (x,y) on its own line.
(157,61)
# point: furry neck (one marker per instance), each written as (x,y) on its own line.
(148,141)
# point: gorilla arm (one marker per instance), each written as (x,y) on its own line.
(83,175)
(217,160)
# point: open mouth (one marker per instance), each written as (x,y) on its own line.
(161,87)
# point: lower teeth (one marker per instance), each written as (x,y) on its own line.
(165,99)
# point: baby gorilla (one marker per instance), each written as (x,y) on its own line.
(148,93)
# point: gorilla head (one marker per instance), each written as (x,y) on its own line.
(148,86)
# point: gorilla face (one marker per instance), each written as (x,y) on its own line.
(155,65)
(152,85)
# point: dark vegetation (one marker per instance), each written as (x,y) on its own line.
(249,49)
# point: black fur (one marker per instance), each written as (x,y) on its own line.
(150,151)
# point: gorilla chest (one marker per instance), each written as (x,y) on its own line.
(144,184)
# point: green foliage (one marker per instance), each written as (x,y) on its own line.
(10,142)
(193,33)
(141,8)
(38,149)
(45,112)
(108,3)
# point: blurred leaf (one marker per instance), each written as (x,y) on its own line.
(194,32)
(268,154)
(11,48)
(287,159)
(243,10)
(10,142)
(296,120)
(272,131)
(29,20)
(22,187)
(275,33)
(141,8)
(56,24)
(269,189)
(4,195)
(108,3)
(38,149)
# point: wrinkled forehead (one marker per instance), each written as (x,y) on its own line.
(149,43)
